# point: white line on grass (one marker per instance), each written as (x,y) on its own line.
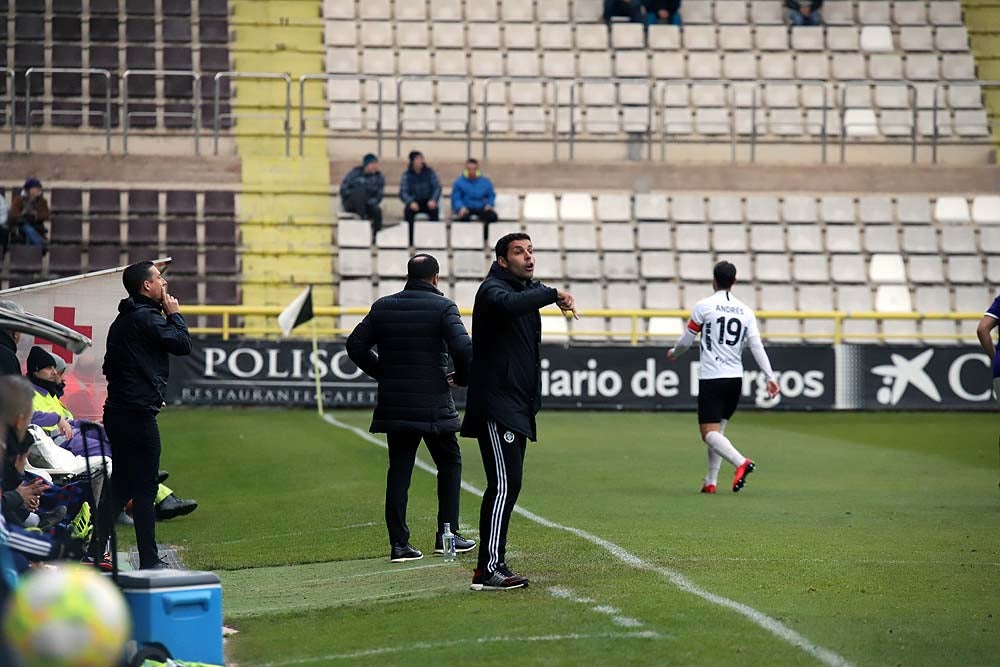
(772,625)
(615,613)
(645,634)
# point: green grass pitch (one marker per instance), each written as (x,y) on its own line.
(875,538)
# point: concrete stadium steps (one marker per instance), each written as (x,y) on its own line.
(281,256)
(982,17)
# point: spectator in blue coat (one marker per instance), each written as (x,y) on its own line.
(472,194)
(361,192)
(420,190)
(805,12)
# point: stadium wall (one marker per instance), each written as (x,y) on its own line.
(840,377)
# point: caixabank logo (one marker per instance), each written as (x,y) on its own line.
(914,377)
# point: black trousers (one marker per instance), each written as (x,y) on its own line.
(411,216)
(481,213)
(632,9)
(357,203)
(135,450)
(503,459)
(402,453)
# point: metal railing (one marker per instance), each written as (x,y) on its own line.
(362,79)
(636,334)
(9,110)
(550,92)
(800,86)
(194,115)
(658,104)
(729,88)
(253,76)
(845,86)
(434,79)
(28,113)
(944,87)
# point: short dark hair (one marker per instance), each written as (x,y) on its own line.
(135,275)
(724,274)
(472,160)
(15,399)
(503,245)
(422,267)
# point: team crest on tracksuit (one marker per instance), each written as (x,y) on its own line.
(508,437)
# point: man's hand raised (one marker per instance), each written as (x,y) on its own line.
(566,303)
(170,304)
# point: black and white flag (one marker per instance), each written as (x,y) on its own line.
(298,312)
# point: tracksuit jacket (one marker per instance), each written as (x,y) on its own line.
(505,386)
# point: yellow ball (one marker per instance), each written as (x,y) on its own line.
(66,617)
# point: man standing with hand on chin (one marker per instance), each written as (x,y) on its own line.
(148,329)
(505,393)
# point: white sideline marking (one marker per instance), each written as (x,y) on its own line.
(772,625)
(456,642)
(613,612)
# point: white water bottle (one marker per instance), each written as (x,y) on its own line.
(448,543)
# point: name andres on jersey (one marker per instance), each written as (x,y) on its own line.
(735,310)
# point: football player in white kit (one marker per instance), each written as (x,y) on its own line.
(726,325)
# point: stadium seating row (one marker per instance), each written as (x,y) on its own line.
(836,12)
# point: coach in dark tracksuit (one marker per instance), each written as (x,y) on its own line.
(505,393)
(148,329)
(416,330)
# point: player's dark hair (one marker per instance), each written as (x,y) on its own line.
(135,275)
(422,267)
(473,161)
(724,274)
(503,245)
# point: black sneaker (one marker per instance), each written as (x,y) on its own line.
(461,544)
(404,552)
(501,580)
(172,506)
(48,519)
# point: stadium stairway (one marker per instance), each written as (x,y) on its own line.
(982,18)
(285,212)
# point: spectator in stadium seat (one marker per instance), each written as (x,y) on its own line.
(663,11)
(9,363)
(361,192)
(416,331)
(633,9)
(29,212)
(420,190)
(805,12)
(472,195)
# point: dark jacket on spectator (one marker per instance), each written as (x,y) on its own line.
(415,330)
(797,4)
(9,363)
(422,186)
(654,6)
(372,184)
(506,362)
(34,212)
(137,363)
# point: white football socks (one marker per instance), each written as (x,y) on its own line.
(714,460)
(720,445)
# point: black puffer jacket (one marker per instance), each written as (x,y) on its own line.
(9,364)
(506,362)
(415,331)
(137,363)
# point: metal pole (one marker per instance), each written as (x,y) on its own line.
(399,121)
(486,118)
(910,88)
(826,103)
(9,74)
(753,122)
(934,120)
(843,129)
(197,112)
(302,114)
(378,122)
(125,76)
(732,122)
(288,114)
(468,117)
(215,113)
(27,108)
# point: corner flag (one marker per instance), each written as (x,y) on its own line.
(298,312)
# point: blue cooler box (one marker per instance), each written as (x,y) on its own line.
(180,609)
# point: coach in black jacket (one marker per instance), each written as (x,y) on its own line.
(149,328)
(505,392)
(415,331)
